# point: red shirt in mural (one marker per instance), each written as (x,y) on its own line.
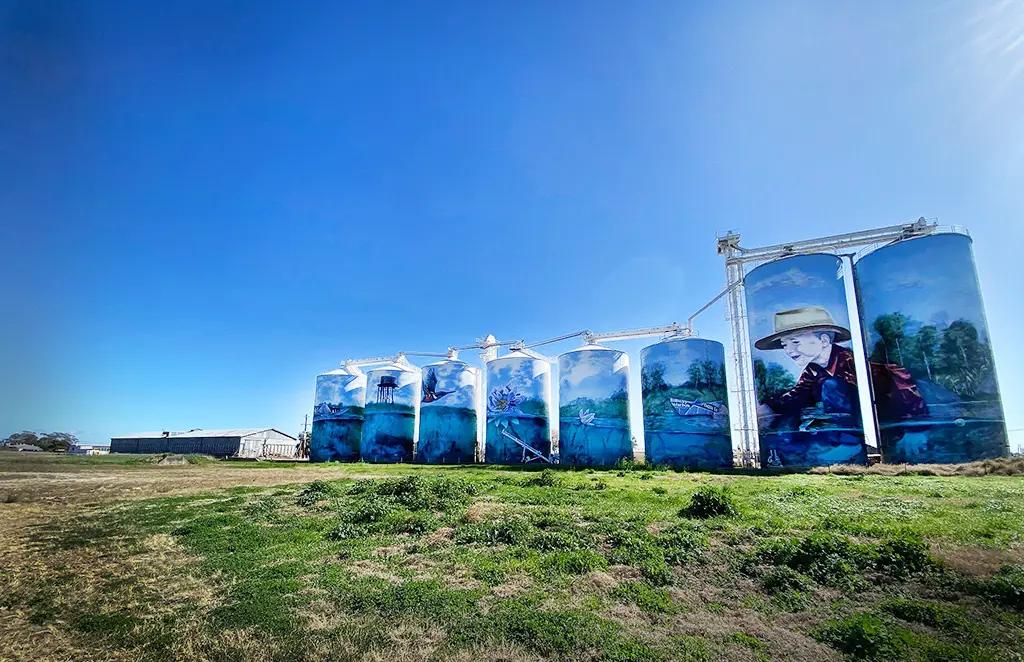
(807,391)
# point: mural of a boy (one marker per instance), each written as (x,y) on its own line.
(809,337)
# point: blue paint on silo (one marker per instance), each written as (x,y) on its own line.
(593,412)
(930,358)
(804,374)
(338,416)
(389,428)
(448,419)
(518,428)
(685,404)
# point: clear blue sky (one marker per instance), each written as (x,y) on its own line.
(203,204)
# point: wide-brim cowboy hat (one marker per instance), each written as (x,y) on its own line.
(809,318)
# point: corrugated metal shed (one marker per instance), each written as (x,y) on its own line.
(199,432)
(229,442)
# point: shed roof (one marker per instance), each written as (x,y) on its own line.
(226,432)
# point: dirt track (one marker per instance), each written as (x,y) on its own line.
(49,479)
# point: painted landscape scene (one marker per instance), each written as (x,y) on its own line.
(518,427)
(448,420)
(593,414)
(685,404)
(931,361)
(389,427)
(337,418)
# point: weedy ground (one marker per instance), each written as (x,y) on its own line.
(121,558)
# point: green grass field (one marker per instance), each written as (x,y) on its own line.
(419,563)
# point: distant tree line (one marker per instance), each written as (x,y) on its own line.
(955,357)
(707,375)
(55,442)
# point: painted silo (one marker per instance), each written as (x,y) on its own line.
(593,411)
(518,427)
(448,420)
(933,375)
(685,404)
(808,409)
(338,416)
(389,428)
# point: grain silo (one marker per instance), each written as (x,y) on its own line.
(389,428)
(518,431)
(685,404)
(338,416)
(804,370)
(593,407)
(933,377)
(448,429)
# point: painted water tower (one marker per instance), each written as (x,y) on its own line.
(685,404)
(518,429)
(448,420)
(593,411)
(389,428)
(338,416)
(933,376)
(808,411)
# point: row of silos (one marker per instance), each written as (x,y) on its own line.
(930,372)
(373,417)
(930,369)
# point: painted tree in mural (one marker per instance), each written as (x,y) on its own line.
(652,378)
(771,379)
(955,357)
(891,329)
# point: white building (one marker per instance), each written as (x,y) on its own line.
(88,449)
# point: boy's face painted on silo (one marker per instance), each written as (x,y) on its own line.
(806,347)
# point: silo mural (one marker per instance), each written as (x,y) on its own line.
(593,412)
(338,416)
(932,371)
(448,422)
(390,424)
(808,413)
(518,395)
(685,404)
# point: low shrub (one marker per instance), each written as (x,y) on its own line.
(264,508)
(945,618)
(416,522)
(367,512)
(346,531)
(573,563)
(1007,587)
(710,501)
(638,548)
(863,636)
(508,531)
(549,541)
(681,545)
(437,493)
(315,492)
(780,579)
(645,596)
(828,558)
(557,634)
(903,556)
(546,478)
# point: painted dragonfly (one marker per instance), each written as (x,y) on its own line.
(697,407)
